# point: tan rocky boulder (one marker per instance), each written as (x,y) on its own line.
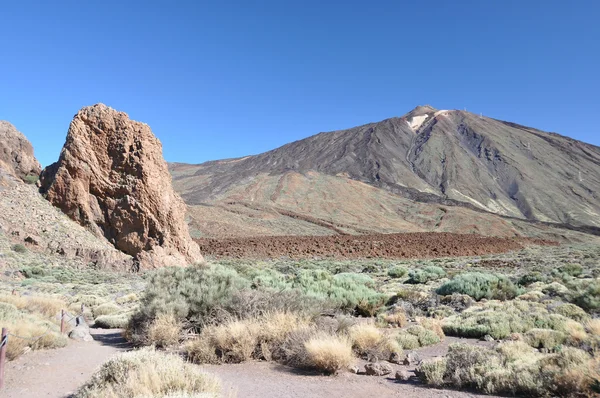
(111,178)
(16,153)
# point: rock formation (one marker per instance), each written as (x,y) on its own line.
(111,178)
(16,153)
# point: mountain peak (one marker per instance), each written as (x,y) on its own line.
(419,115)
(421,110)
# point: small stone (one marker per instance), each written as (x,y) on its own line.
(81,333)
(487,337)
(412,358)
(354,369)
(402,375)
(378,369)
(395,358)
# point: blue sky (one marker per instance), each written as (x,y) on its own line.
(231,78)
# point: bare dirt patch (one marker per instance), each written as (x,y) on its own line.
(408,245)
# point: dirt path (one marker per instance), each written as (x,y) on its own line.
(58,373)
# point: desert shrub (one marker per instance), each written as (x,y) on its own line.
(426,274)
(114,321)
(395,318)
(544,338)
(408,341)
(556,289)
(31,179)
(164,331)
(397,272)
(348,291)
(328,353)
(417,336)
(37,333)
(127,298)
(532,277)
(88,300)
(241,340)
(19,248)
(148,373)
(571,311)
(434,325)
(46,306)
(574,270)
(573,373)
(432,372)
(106,309)
(589,300)
(513,368)
(500,319)
(190,294)
(593,327)
(371,343)
(480,285)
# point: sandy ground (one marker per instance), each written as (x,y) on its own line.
(58,373)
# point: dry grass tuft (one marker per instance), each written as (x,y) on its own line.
(148,373)
(329,353)
(435,325)
(164,331)
(106,309)
(593,327)
(48,307)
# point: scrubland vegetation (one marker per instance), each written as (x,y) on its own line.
(539,309)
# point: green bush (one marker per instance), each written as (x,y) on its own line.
(480,285)
(574,270)
(19,248)
(544,338)
(532,277)
(417,336)
(200,296)
(114,321)
(514,369)
(31,179)
(426,274)
(589,300)
(571,311)
(500,319)
(397,272)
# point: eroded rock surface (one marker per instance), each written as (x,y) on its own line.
(16,153)
(111,178)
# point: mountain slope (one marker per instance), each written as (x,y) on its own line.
(396,174)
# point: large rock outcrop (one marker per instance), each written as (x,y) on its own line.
(111,178)
(16,153)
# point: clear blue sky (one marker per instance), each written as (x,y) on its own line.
(224,79)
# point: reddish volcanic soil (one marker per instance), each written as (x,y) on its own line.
(409,245)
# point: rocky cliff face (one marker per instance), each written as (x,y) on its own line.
(16,153)
(111,178)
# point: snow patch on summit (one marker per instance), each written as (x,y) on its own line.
(417,121)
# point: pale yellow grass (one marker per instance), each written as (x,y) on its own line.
(365,337)
(164,331)
(329,353)
(106,309)
(32,329)
(435,325)
(149,373)
(47,306)
(397,319)
(593,327)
